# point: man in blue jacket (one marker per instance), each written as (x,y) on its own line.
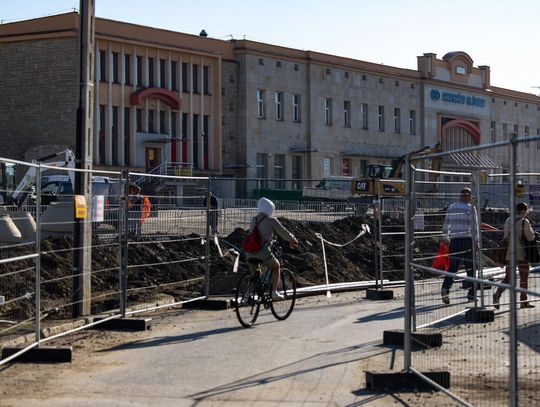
(461,226)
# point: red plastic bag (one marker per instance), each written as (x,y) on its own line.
(442,261)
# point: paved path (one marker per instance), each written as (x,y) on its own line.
(204,358)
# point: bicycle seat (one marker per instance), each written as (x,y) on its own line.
(255,261)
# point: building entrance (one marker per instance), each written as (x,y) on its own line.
(152,157)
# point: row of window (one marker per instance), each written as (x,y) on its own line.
(328,112)
(149,72)
(515,130)
(150,124)
(346,74)
(279,170)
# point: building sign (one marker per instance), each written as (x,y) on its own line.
(457,98)
(345,163)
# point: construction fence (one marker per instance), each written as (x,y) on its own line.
(132,250)
(490,325)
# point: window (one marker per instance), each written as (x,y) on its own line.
(101,130)
(328,111)
(184,77)
(527,135)
(492,134)
(139,72)
(174,133)
(460,70)
(162,124)
(261,109)
(412,122)
(114,135)
(505,131)
(296,68)
(261,61)
(162,83)
(381,118)
(115,67)
(516,130)
(297,171)
(139,120)
(364,110)
(278,64)
(184,126)
(195,83)
(347,113)
(127,69)
(195,139)
(205,137)
(102,65)
(397,120)
(279,170)
(327,167)
(262,169)
(150,121)
(206,86)
(278,97)
(150,72)
(127,135)
(174,76)
(296,108)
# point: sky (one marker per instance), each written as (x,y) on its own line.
(504,34)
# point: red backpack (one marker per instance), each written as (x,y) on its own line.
(253,242)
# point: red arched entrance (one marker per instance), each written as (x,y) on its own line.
(459,133)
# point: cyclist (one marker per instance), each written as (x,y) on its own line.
(267,225)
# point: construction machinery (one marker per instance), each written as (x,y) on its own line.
(65,158)
(382,180)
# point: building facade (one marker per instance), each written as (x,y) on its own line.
(242,109)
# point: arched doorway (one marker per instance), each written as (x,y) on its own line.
(458,133)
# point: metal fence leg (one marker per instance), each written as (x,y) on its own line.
(207,248)
(408,247)
(38,258)
(123,230)
(513,385)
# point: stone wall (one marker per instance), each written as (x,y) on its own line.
(39,95)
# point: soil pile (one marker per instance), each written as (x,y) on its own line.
(176,267)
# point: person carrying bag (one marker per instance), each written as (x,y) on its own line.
(525,233)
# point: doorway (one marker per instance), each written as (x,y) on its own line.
(151,157)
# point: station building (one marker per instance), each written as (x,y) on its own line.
(241,108)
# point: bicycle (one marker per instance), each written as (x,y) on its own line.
(255,289)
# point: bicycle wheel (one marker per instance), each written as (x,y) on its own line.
(287,287)
(247,303)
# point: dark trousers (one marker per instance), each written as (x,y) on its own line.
(461,250)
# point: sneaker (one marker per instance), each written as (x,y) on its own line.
(526,304)
(444,296)
(496,300)
(276,296)
(471,297)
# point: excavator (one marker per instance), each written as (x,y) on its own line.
(384,180)
(65,159)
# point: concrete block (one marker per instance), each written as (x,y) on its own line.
(394,381)
(124,324)
(418,341)
(41,354)
(480,315)
(209,304)
(378,294)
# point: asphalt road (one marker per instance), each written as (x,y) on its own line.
(204,358)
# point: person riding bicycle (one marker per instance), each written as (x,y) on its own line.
(267,225)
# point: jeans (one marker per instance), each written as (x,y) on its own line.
(461,250)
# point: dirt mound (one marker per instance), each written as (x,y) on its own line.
(176,267)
